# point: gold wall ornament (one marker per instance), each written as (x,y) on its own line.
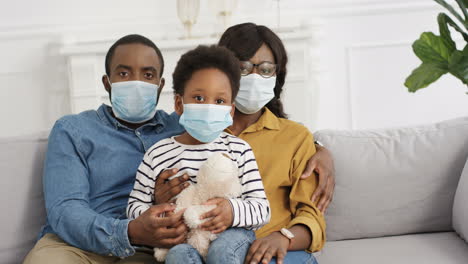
(187,11)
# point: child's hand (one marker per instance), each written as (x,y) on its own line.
(221,216)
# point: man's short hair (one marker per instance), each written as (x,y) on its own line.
(207,57)
(133,39)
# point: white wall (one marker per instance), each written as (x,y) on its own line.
(364,55)
(367,55)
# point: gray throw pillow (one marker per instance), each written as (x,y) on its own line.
(21,163)
(460,205)
(395,181)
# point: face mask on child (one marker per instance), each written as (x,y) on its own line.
(205,122)
(254,93)
(134,101)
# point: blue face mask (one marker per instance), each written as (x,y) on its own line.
(205,122)
(134,101)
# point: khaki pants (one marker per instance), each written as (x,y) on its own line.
(51,249)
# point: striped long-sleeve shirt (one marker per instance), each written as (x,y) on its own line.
(251,210)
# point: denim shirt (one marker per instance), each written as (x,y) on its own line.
(89,171)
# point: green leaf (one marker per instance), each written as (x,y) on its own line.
(452,10)
(443,20)
(458,65)
(431,49)
(463,4)
(424,75)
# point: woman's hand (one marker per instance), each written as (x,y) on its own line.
(322,163)
(165,190)
(264,249)
(221,216)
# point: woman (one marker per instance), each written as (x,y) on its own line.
(296,224)
(283,149)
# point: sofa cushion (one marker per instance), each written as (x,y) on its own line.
(395,181)
(460,205)
(22,207)
(436,248)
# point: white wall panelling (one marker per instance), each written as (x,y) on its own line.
(367,56)
(372,71)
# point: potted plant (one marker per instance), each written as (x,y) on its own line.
(439,54)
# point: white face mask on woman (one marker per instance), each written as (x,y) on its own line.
(254,93)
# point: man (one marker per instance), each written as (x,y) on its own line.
(90,169)
(91,162)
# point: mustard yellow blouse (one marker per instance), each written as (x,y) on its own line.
(282,149)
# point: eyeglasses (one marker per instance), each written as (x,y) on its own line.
(265,69)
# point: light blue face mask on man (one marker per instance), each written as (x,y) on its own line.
(205,122)
(134,101)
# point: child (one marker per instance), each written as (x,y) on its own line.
(205,82)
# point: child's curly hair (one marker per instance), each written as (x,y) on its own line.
(206,57)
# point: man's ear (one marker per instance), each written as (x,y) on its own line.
(233,110)
(161,85)
(178,104)
(106,83)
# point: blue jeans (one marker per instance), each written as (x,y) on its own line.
(297,257)
(231,246)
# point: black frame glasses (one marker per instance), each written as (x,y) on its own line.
(265,69)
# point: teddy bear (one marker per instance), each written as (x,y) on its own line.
(216,178)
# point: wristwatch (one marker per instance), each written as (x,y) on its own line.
(316,142)
(285,232)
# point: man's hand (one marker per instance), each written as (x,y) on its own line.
(153,230)
(221,216)
(165,190)
(322,164)
(264,249)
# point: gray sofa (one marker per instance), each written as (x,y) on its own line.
(399,195)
